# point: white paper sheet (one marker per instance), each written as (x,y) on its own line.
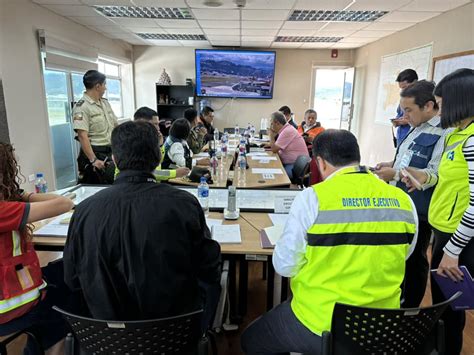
(278,219)
(201,155)
(255,154)
(262,157)
(213,222)
(226,234)
(274,233)
(57,227)
(266,171)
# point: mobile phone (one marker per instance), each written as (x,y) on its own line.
(413,180)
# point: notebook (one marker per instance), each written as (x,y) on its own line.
(449,288)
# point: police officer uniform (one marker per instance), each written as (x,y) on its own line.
(98,120)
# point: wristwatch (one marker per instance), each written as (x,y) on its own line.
(93,160)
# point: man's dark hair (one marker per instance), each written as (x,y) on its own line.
(422,92)
(91,78)
(206,110)
(285,110)
(408,75)
(144,113)
(180,129)
(456,90)
(135,146)
(337,146)
(190,114)
(278,117)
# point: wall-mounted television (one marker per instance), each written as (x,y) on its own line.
(235,73)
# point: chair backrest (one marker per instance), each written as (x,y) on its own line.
(174,335)
(300,169)
(358,330)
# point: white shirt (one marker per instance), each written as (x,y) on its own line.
(290,250)
(176,155)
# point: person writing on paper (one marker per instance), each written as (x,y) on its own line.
(310,128)
(141,250)
(27,299)
(177,152)
(422,148)
(289,144)
(337,246)
(451,212)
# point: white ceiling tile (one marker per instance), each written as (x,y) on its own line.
(222,31)
(285,45)
(257,44)
(184,31)
(177,23)
(376,5)
(160,3)
(58,2)
(361,40)
(212,14)
(302,25)
(214,38)
(433,5)
(72,10)
(388,26)
(316,45)
(404,16)
(226,43)
(196,44)
(371,34)
(257,38)
(219,24)
(264,15)
(322,4)
(108,29)
(261,24)
(108,2)
(163,43)
(92,21)
(296,32)
(346,45)
(135,22)
(270,4)
(147,30)
(340,26)
(324,33)
(252,32)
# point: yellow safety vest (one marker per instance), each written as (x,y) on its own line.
(356,247)
(451,195)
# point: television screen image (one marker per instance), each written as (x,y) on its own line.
(229,73)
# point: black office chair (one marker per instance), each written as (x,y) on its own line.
(27,331)
(174,335)
(365,331)
(301,171)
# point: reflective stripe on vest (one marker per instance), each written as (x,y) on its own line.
(16,243)
(356,248)
(18,301)
(451,195)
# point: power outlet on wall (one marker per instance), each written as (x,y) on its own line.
(31,177)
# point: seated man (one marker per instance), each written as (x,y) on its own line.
(198,131)
(289,145)
(139,250)
(286,111)
(310,128)
(346,240)
(205,119)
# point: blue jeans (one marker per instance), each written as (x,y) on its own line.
(289,169)
(279,332)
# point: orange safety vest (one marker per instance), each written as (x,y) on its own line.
(312,132)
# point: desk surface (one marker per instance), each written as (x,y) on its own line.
(257,180)
(219,180)
(249,232)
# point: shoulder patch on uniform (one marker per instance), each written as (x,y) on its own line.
(104,99)
(79,103)
(77,116)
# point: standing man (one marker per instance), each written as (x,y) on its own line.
(346,241)
(93,121)
(286,141)
(421,149)
(404,79)
(286,111)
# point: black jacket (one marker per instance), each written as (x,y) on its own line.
(138,249)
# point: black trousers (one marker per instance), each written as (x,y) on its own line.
(416,269)
(90,175)
(454,321)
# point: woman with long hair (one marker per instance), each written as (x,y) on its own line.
(25,298)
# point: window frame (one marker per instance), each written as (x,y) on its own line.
(113,77)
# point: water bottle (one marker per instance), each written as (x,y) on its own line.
(242,162)
(216,135)
(242,148)
(41,186)
(252,131)
(236,130)
(214,164)
(203,195)
(223,148)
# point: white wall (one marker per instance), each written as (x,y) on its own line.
(292,81)
(22,80)
(450,32)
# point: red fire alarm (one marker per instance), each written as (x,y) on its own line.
(334,53)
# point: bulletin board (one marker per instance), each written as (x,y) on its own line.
(448,63)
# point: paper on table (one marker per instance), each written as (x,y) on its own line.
(278,219)
(57,227)
(213,222)
(266,171)
(262,157)
(274,233)
(254,154)
(201,155)
(226,234)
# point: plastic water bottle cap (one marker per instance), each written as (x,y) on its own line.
(39,175)
(203,179)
